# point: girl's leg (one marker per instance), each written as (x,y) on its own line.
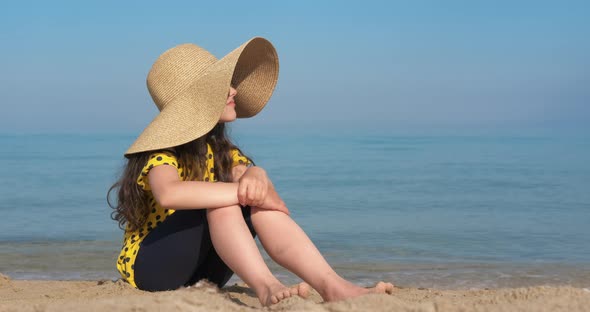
(171,252)
(234,244)
(213,268)
(290,247)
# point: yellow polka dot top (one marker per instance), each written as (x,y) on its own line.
(133,239)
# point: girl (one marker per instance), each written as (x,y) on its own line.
(191,202)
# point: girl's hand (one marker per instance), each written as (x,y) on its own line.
(273,201)
(254,186)
(269,198)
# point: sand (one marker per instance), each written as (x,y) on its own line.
(106,295)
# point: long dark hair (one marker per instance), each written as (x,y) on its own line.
(132,206)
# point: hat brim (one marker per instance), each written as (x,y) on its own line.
(252,68)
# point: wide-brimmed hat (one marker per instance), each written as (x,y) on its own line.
(190,88)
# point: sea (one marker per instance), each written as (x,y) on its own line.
(449,207)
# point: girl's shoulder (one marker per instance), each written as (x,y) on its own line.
(238,158)
(156,158)
(163,153)
(162,157)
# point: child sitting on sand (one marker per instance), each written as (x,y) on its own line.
(191,202)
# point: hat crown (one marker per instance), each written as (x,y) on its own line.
(175,70)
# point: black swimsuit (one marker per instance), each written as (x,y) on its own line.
(179,252)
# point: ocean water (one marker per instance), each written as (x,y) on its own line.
(460,208)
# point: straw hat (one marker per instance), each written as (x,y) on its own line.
(190,88)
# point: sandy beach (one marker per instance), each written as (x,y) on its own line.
(108,295)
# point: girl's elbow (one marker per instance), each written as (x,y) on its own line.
(166,199)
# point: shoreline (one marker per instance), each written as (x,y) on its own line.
(443,276)
(100,295)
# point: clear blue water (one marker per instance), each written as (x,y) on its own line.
(425,207)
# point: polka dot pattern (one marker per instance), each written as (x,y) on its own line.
(239,159)
(156,159)
(132,239)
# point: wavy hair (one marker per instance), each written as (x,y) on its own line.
(132,205)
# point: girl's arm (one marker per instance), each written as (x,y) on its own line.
(238,171)
(257,188)
(172,193)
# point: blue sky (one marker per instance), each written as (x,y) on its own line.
(80,66)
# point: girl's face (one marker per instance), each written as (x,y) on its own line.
(229,112)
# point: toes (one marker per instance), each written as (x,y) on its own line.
(303,290)
(286,293)
(274,299)
(389,288)
(384,288)
(280,295)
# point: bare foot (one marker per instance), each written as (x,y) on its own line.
(277,292)
(301,290)
(351,291)
(382,288)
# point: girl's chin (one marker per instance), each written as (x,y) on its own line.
(224,121)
